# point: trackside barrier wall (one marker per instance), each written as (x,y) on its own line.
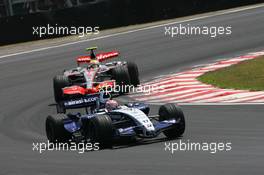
(108,14)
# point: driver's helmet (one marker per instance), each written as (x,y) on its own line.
(111,105)
(94,63)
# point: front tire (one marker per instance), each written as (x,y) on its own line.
(55,130)
(100,130)
(171,111)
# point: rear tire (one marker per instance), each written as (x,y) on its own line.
(55,130)
(121,75)
(100,130)
(59,82)
(171,111)
(133,73)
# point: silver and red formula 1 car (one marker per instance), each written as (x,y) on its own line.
(92,75)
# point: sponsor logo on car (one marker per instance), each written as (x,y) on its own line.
(80,101)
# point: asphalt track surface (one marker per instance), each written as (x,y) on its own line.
(26,92)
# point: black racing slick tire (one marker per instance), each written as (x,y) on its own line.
(59,82)
(121,76)
(170,111)
(100,130)
(55,130)
(133,73)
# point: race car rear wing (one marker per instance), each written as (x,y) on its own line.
(95,100)
(100,57)
(81,102)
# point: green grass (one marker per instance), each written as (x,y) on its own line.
(247,75)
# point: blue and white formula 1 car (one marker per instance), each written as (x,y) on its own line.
(128,121)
